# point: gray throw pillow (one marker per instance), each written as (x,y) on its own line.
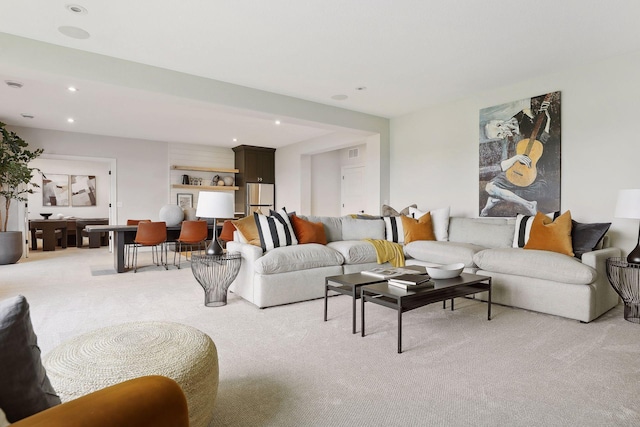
(24,386)
(389,211)
(585,237)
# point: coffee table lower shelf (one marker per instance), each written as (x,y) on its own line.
(402,301)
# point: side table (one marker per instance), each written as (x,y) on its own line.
(215,273)
(625,280)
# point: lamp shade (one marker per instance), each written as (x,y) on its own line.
(215,204)
(628,205)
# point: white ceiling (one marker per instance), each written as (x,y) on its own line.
(409,54)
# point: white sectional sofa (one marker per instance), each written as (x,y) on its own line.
(537,280)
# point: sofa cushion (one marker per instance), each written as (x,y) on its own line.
(299,257)
(418,229)
(393,229)
(389,211)
(487,232)
(535,263)
(440,219)
(551,235)
(587,237)
(248,230)
(26,389)
(443,252)
(332,226)
(357,229)
(355,251)
(523,228)
(275,230)
(307,231)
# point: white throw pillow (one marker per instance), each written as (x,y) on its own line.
(523,228)
(275,230)
(393,230)
(439,219)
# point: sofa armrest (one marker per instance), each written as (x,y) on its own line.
(597,259)
(147,401)
(250,253)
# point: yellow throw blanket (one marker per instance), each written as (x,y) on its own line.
(388,251)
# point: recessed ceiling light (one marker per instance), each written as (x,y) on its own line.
(277,122)
(361,88)
(27,116)
(70,120)
(235,139)
(14,84)
(339,97)
(72,89)
(74,32)
(76,8)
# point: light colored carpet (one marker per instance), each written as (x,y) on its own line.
(284,366)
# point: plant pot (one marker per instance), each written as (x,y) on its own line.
(11,244)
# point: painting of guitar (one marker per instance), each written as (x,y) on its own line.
(520,174)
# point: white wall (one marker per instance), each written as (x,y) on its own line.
(142,166)
(296,184)
(434,153)
(325,184)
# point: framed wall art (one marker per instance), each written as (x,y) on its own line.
(83,190)
(520,157)
(185,200)
(55,189)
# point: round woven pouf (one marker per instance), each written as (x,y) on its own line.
(117,353)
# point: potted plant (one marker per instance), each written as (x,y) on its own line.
(15,184)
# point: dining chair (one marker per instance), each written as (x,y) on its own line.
(128,244)
(152,234)
(191,233)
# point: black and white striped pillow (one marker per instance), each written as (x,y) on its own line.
(393,230)
(523,228)
(275,231)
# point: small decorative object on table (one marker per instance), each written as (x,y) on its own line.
(215,273)
(625,280)
(447,271)
(46,215)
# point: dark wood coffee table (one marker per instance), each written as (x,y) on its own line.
(406,300)
(348,284)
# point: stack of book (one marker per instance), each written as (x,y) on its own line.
(411,281)
(389,272)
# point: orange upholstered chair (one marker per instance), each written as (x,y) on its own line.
(152,401)
(191,233)
(152,234)
(128,244)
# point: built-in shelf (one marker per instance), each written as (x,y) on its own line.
(199,169)
(206,187)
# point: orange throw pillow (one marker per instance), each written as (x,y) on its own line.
(549,235)
(248,228)
(307,231)
(418,229)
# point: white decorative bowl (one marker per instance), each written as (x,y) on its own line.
(447,271)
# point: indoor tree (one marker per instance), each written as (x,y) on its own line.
(15,173)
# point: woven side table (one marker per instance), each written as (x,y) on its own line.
(215,273)
(625,279)
(121,352)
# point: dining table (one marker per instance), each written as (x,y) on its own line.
(126,234)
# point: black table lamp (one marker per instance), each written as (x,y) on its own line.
(628,206)
(215,204)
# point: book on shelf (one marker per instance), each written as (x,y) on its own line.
(411,286)
(389,272)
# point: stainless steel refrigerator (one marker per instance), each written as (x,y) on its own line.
(260,198)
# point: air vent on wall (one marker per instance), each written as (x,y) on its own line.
(353,153)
